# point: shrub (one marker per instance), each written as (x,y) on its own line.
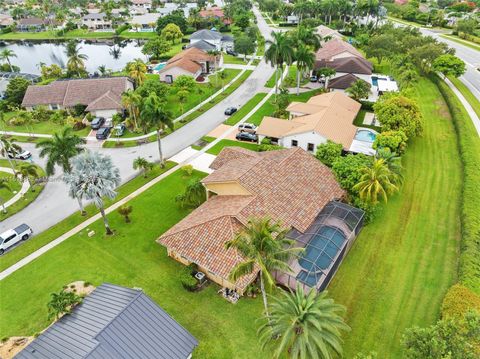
(187,279)
(347,170)
(329,152)
(458,301)
(78,109)
(78,125)
(396,141)
(187,170)
(57,117)
(265,148)
(469,142)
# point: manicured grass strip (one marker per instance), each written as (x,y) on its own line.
(28,197)
(206,139)
(469,96)
(398,270)
(271,81)
(70,222)
(229,59)
(469,267)
(245,109)
(461,41)
(74,34)
(216,149)
(132,258)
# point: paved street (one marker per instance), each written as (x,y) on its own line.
(53,204)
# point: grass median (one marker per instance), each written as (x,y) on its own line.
(245,109)
(469,96)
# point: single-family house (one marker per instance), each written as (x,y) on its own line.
(97,21)
(101,96)
(215,39)
(192,62)
(290,186)
(33,24)
(214,13)
(323,117)
(170,7)
(145,22)
(6,21)
(292,19)
(113,322)
(327,33)
(146,4)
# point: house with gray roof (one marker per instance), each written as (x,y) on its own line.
(220,41)
(97,21)
(113,322)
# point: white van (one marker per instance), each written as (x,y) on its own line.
(13,236)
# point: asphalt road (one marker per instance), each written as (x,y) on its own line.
(53,204)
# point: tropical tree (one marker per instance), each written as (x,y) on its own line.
(137,70)
(154,114)
(305,60)
(125,212)
(304,325)
(76,60)
(60,149)
(376,181)
(4,185)
(194,195)
(9,148)
(307,36)
(143,164)
(280,51)
(93,177)
(6,55)
(359,89)
(172,32)
(131,100)
(28,172)
(61,303)
(156,47)
(265,248)
(393,162)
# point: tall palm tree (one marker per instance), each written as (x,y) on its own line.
(264,247)
(304,325)
(194,195)
(93,177)
(76,60)
(305,61)
(4,185)
(376,181)
(393,162)
(9,148)
(137,71)
(142,164)
(154,114)
(60,149)
(131,100)
(6,55)
(280,51)
(307,36)
(27,172)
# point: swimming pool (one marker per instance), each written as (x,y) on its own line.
(365,135)
(159,66)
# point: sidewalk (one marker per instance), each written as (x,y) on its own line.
(194,159)
(19,195)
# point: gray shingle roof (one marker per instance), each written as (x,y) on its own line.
(113,322)
(206,35)
(202,45)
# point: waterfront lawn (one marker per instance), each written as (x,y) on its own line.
(75,34)
(401,265)
(132,258)
(71,221)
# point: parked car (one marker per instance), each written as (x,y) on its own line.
(13,236)
(119,129)
(102,133)
(247,127)
(231,52)
(246,136)
(313,78)
(97,122)
(24,155)
(230,111)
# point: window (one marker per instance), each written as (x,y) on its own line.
(54,107)
(294,143)
(8,239)
(311,147)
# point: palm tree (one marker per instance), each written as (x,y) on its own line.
(305,60)
(9,148)
(4,185)
(27,172)
(194,195)
(103,70)
(280,51)
(265,248)
(60,149)
(307,36)
(131,100)
(125,212)
(358,90)
(393,162)
(376,181)
(154,114)
(6,55)
(93,177)
(76,60)
(137,71)
(143,164)
(304,325)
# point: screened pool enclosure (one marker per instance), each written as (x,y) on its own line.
(325,244)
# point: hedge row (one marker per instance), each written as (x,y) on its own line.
(469,144)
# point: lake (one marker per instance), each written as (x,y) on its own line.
(114,56)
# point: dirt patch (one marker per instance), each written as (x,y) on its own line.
(12,346)
(442,109)
(80,288)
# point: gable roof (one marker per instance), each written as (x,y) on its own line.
(335,47)
(325,31)
(99,93)
(189,60)
(113,322)
(353,64)
(289,186)
(205,34)
(330,115)
(202,45)
(343,82)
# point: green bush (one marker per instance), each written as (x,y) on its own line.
(187,279)
(328,152)
(469,143)
(458,301)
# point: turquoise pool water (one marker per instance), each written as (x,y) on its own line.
(365,135)
(159,66)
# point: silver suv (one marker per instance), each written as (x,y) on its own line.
(247,127)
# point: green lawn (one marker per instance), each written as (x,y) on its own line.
(461,41)
(216,149)
(70,222)
(74,34)
(271,81)
(132,258)
(245,109)
(13,184)
(229,59)
(471,98)
(401,265)
(291,79)
(43,127)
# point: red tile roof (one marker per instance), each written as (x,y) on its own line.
(335,47)
(289,185)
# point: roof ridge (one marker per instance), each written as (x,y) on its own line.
(65,94)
